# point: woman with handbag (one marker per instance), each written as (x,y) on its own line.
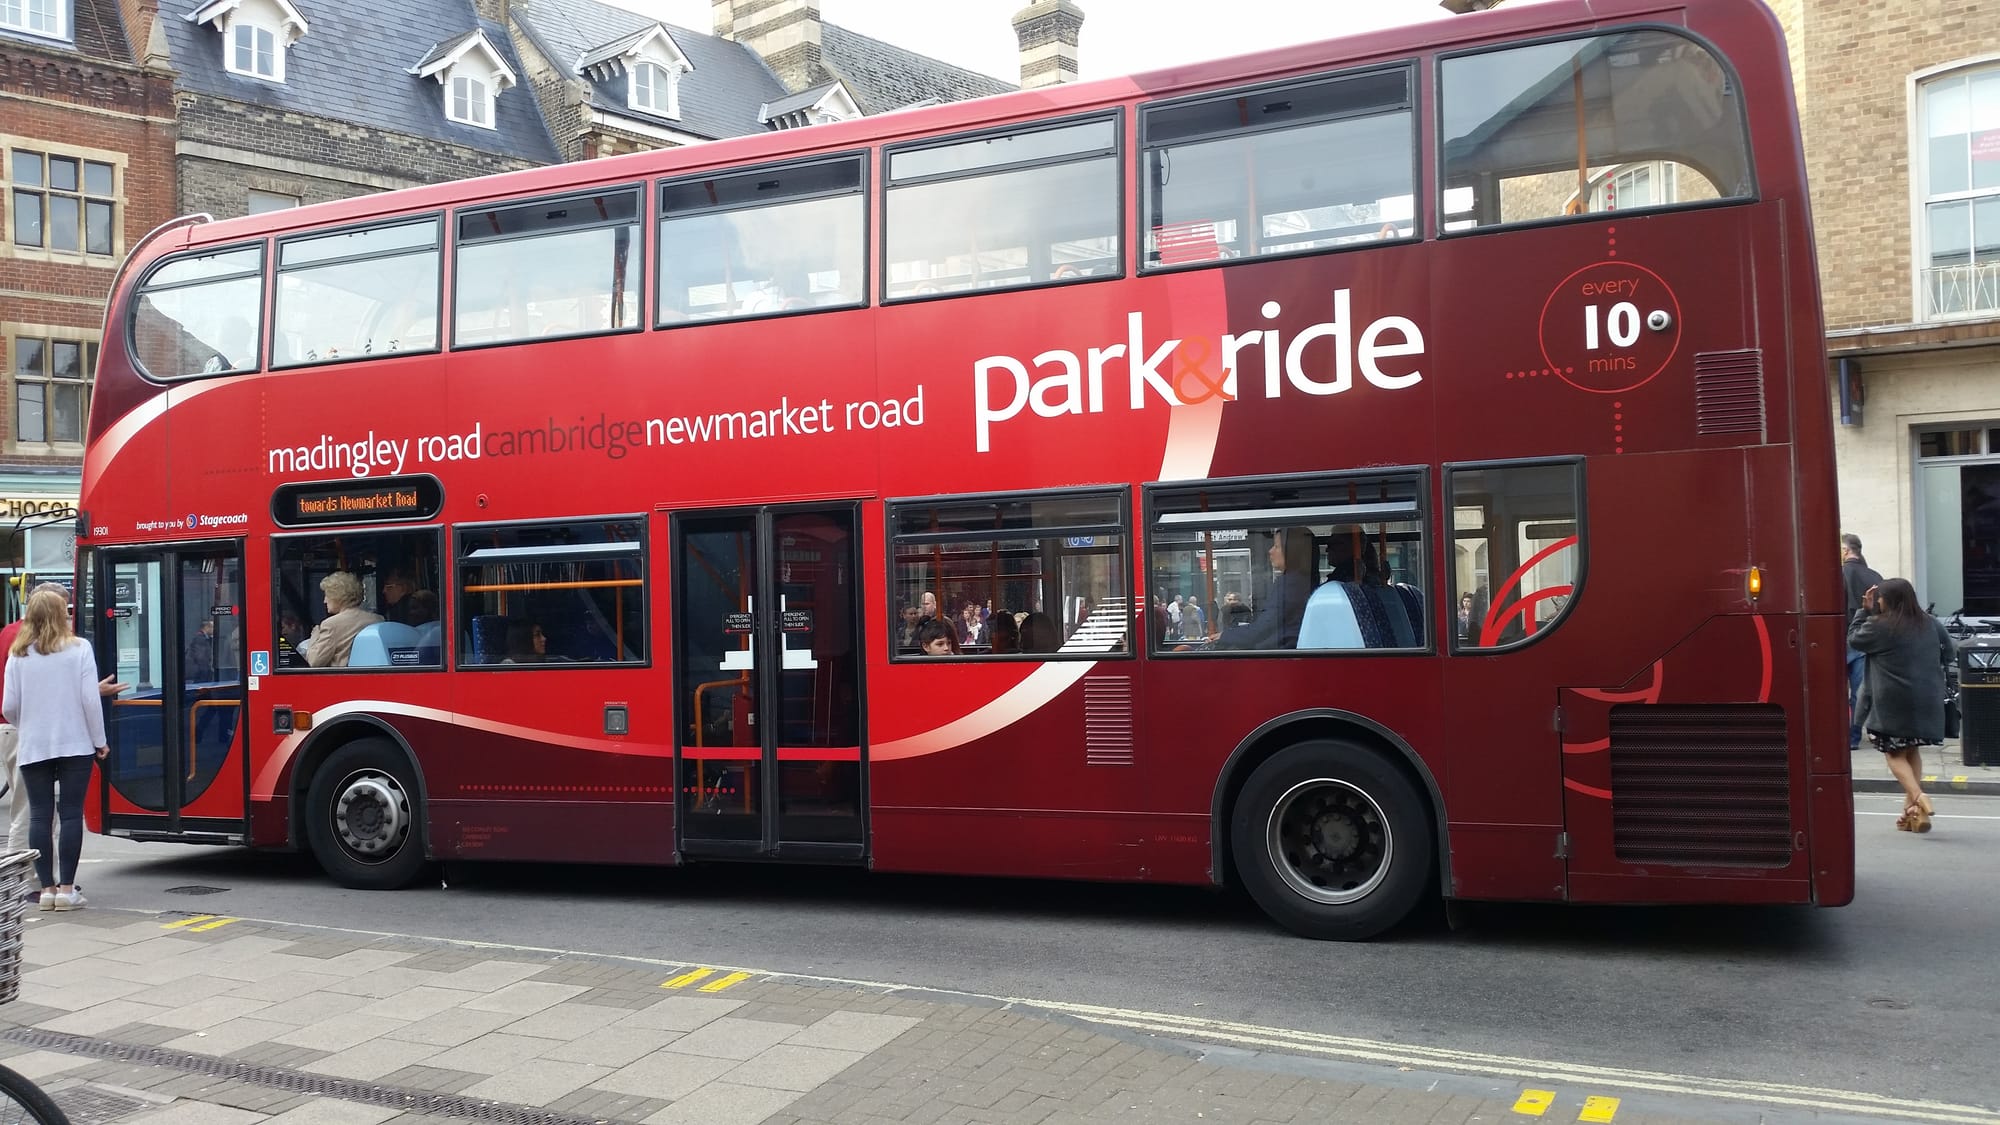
(1908,651)
(51,697)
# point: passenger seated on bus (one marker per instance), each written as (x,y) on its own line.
(1389,614)
(333,638)
(420,608)
(1003,633)
(937,638)
(1038,634)
(526,643)
(1275,624)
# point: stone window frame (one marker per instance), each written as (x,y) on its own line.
(120,163)
(56,10)
(1922,309)
(89,345)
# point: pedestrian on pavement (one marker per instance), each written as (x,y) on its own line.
(51,697)
(1907,651)
(1856,576)
(14,795)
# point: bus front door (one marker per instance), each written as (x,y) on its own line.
(167,622)
(767,666)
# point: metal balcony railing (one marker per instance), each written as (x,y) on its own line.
(1972,289)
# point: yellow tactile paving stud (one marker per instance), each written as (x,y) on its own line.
(696,976)
(200,923)
(1534,1103)
(1598,1109)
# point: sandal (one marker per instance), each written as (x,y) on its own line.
(1908,821)
(1921,815)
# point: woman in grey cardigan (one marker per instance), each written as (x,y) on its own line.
(1907,652)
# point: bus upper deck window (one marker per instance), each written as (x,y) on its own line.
(1302,167)
(199,314)
(1661,125)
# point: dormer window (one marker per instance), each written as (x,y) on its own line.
(253,50)
(651,88)
(36,17)
(650,64)
(255,34)
(471,102)
(473,73)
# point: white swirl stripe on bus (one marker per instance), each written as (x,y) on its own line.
(1405,1054)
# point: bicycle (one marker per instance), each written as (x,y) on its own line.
(21,1101)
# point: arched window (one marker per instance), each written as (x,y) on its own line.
(1958,159)
(651,89)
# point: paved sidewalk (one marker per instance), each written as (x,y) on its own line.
(1945,771)
(199,1020)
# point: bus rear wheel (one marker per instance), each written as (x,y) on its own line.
(1332,841)
(364,819)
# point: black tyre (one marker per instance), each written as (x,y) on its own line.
(23,1102)
(1332,841)
(363,819)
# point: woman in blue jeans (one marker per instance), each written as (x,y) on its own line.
(51,698)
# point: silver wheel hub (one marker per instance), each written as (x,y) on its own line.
(1329,841)
(372,815)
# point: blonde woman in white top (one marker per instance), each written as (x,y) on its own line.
(51,698)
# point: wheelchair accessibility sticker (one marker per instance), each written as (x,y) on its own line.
(260,663)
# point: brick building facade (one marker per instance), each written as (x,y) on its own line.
(87,137)
(1900,108)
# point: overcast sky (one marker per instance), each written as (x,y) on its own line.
(1119,36)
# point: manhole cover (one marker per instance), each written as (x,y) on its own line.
(1886,1002)
(196,889)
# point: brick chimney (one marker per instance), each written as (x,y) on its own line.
(785,33)
(143,31)
(495,10)
(1048,31)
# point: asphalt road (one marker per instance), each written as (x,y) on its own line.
(1895,995)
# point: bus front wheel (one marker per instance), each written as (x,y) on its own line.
(364,817)
(1332,841)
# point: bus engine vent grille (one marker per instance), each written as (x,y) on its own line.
(1729,392)
(1107,721)
(1700,785)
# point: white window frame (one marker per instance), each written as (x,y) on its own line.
(22,15)
(478,101)
(256,31)
(1921,199)
(657,84)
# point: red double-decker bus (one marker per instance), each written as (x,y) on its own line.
(1361,471)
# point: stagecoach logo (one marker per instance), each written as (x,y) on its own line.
(1177,372)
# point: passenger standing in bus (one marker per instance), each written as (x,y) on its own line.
(51,697)
(333,638)
(1907,652)
(1856,577)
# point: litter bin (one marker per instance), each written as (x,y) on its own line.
(1979,700)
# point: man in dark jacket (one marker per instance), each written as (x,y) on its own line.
(1857,578)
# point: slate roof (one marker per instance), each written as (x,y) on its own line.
(883,76)
(96,31)
(718,98)
(354,67)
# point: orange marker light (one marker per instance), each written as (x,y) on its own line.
(1756,582)
(303,720)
